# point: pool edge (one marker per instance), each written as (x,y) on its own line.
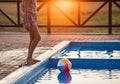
(21,72)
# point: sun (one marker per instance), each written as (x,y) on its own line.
(65,4)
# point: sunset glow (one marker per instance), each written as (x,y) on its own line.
(65,4)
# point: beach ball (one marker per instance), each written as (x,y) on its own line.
(64,65)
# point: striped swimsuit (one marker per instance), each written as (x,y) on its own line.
(30,19)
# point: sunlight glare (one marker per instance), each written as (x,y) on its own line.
(65,4)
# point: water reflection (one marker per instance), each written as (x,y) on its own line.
(80,76)
(110,74)
(89,54)
(64,78)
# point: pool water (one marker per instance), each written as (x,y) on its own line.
(80,76)
(104,50)
(115,54)
(92,63)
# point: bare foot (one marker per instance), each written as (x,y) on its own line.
(26,64)
(30,61)
(35,60)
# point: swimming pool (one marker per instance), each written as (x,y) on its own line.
(92,61)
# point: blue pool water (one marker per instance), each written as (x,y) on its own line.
(92,63)
(104,50)
(80,76)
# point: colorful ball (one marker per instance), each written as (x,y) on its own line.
(64,65)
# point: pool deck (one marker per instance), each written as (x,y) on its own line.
(13,47)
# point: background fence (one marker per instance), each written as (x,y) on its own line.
(77,22)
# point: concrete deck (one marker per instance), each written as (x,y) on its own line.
(13,47)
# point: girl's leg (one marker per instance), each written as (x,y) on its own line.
(34,39)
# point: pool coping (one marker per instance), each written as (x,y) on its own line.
(21,72)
